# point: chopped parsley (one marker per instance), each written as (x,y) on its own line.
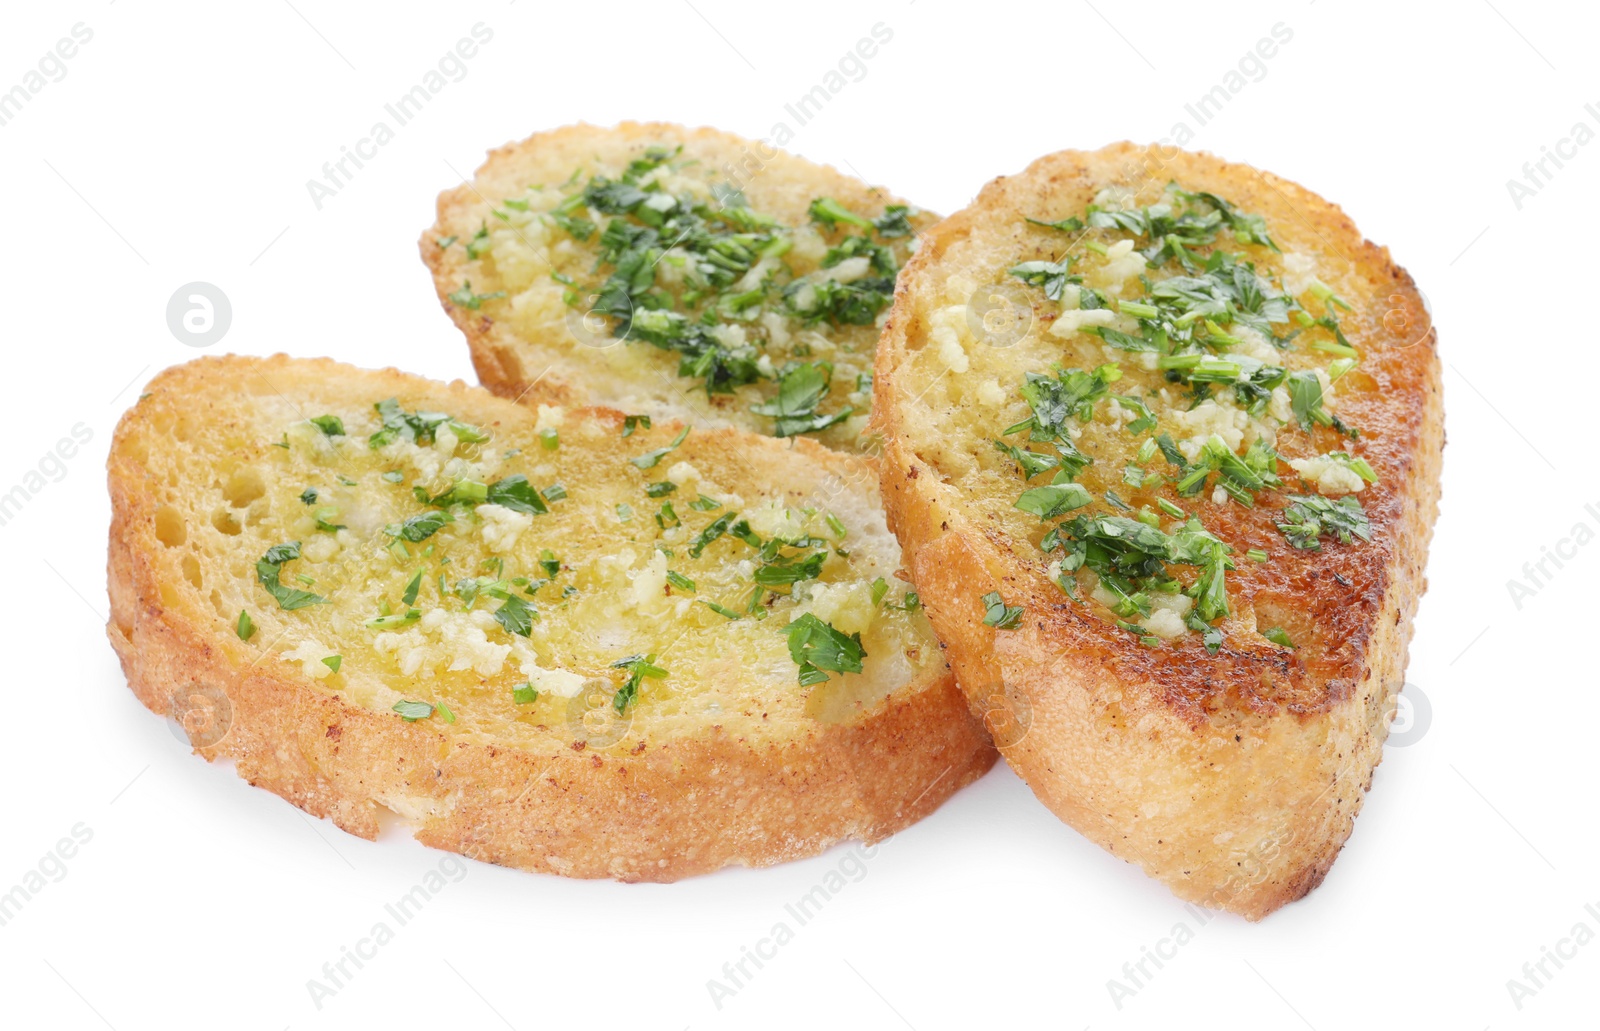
(420,527)
(388,621)
(650,459)
(1054,500)
(465,298)
(1050,276)
(269,570)
(323,515)
(1310,517)
(1130,558)
(411,712)
(856,303)
(827,212)
(639,667)
(1000,615)
(778,572)
(516,493)
(331,425)
(516,616)
(726,613)
(801,388)
(816,646)
(1279,636)
(1201,324)
(418,427)
(727,271)
(333,662)
(246,627)
(716,528)
(895,221)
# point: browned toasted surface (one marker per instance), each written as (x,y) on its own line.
(540,343)
(725,760)
(1232,777)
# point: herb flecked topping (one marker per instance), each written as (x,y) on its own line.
(788,563)
(1197,298)
(695,276)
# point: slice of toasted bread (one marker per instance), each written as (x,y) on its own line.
(736,303)
(535,636)
(1207,700)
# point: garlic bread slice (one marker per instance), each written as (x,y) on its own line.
(1162,445)
(567,641)
(686,274)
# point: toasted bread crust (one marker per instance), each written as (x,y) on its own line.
(659,811)
(551,368)
(1234,778)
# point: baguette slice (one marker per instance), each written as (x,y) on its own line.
(567,701)
(1232,777)
(517,257)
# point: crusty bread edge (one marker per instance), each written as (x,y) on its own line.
(1050,735)
(649,814)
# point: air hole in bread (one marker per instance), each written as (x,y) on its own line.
(191,569)
(225,522)
(170,528)
(243,487)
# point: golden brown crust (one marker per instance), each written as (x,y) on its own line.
(659,811)
(1235,778)
(551,367)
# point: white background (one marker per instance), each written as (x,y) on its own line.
(177,148)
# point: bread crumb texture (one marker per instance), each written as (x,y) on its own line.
(454,577)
